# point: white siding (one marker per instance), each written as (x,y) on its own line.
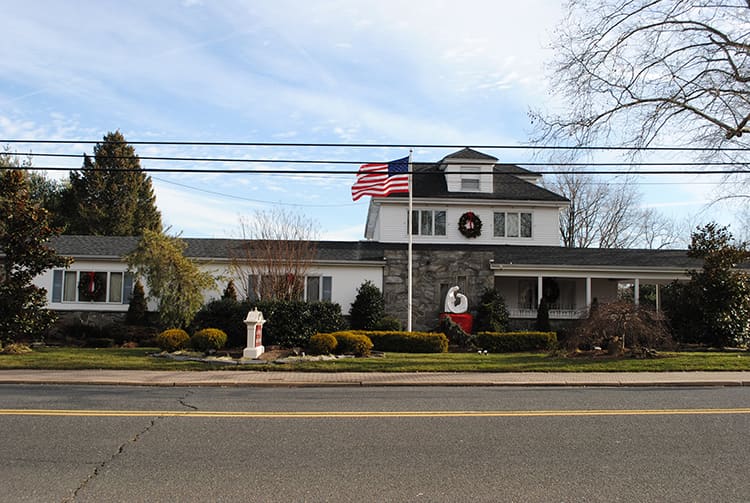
(392,224)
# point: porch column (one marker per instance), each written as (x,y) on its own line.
(658,298)
(588,292)
(539,292)
(637,291)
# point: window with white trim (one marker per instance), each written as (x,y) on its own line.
(92,286)
(512,225)
(428,222)
(316,288)
(470,179)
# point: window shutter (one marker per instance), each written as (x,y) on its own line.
(127,288)
(57,280)
(327,288)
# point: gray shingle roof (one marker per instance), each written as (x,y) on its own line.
(468,153)
(429,181)
(112,247)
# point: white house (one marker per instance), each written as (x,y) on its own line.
(476,223)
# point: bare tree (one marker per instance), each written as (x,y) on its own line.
(648,69)
(277,251)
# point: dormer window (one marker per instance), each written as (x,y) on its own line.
(470,179)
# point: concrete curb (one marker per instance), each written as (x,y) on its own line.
(228,378)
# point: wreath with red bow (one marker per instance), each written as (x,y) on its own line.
(90,286)
(470,225)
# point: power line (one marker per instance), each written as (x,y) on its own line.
(345,162)
(382,145)
(349,173)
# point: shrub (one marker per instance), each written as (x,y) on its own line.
(208,339)
(368,307)
(226,315)
(230,292)
(172,339)
(455,334)
(137,308)
(542,316)
(511,342)
(617,323)
(408,342)
(492,315)
(388,324)
(322,344)
(352,343)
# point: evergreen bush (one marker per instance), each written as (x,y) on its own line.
(208,339)
(322,344)
(408,342)
(350,343)
(511,342)
(138,308)
(368,307)
(492,314)
(172,339)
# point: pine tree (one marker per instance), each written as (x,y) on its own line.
(111,195)
(24,237)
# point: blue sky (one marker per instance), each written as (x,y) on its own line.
(324,71)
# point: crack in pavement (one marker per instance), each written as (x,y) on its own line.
(98,469)
(183,402)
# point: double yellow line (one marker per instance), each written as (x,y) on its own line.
(369,414)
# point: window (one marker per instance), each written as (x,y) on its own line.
(470,179)
(427,223)
(512,225)
(319,288)
(91,286)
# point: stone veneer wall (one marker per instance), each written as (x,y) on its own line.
(433,273)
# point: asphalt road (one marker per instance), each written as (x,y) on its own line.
(374,444)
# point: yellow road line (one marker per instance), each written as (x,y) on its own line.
(368,414)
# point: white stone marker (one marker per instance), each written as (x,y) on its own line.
(254,322)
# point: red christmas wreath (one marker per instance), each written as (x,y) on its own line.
(470,225)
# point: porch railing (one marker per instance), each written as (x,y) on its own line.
(554,314)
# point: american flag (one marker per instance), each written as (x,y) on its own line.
(382,179)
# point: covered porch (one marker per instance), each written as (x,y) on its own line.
(570,291)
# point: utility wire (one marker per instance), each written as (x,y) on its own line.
(318,161)
(383,145)
(349,173)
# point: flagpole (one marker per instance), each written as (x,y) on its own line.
(409,263)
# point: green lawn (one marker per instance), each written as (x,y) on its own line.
(138,359)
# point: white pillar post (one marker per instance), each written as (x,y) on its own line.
(588,292)
(637,292)
(658,298)
(539,292)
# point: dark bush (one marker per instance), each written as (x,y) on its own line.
(288,323)
(141,335)
(388,324)
(368,307)
(227,315)
(408,342)
(99,342)
(322,344)
(542,316)
(619,324)
(208,339)
(511,342)
(172,339)
(492,314)
(455,334)
(137,309)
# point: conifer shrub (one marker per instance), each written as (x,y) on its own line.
(137,308)
(511,342)
(172,339)
(322,344)
(208,339)
(492,314)
(368,307)
(350,343)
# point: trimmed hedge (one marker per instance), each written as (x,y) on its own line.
(172,339)
(511,342)
(322,344)
(407,342)
(356,344)
(208,339)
